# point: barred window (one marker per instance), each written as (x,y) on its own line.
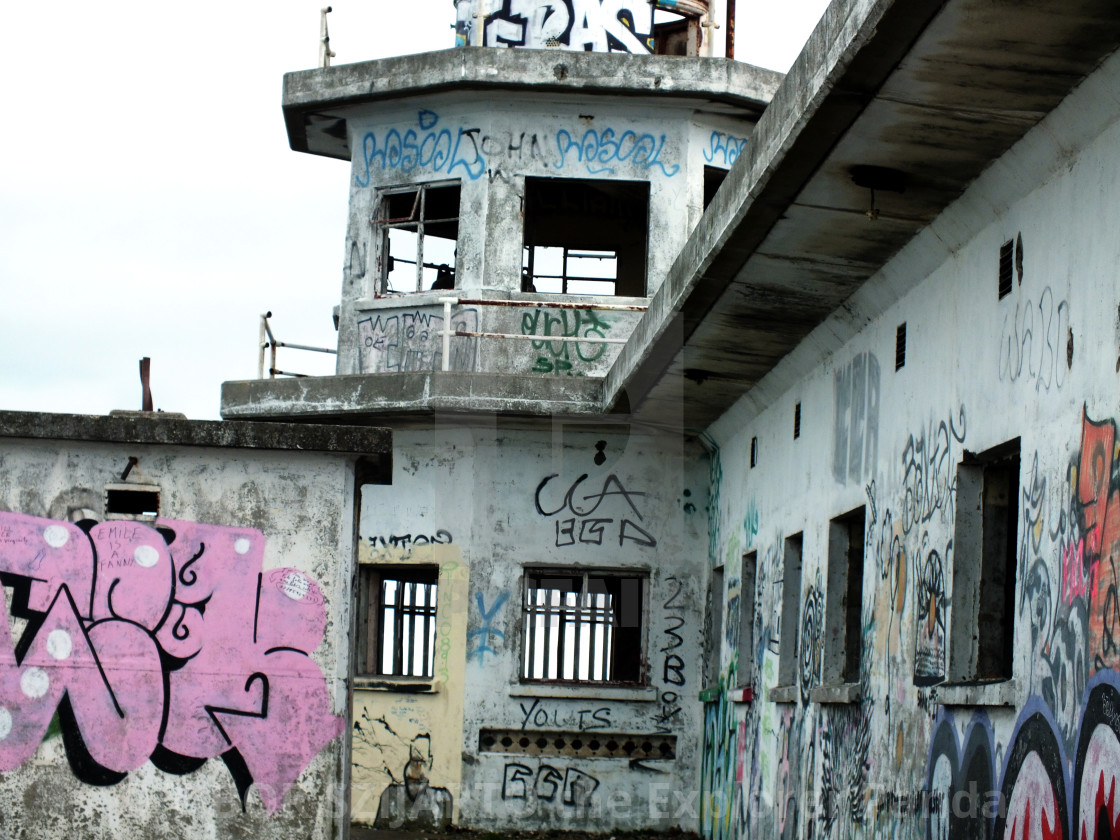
(583,627)
(397,620)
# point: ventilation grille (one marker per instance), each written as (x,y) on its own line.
(900,346)
(577,744)
(754,452)
(797,421)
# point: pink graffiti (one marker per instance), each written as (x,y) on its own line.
(1074,583)
(170,644)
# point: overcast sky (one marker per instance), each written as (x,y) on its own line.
(150,205)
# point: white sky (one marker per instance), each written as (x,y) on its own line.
(150,205)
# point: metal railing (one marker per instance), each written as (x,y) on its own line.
(447,332)
(268,342)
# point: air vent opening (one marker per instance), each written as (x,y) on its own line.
(900,346)
(1006,268)
(132,501)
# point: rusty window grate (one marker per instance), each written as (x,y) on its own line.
(397,620)
(900,346)
(582,627)
(1006,268)
(577,744)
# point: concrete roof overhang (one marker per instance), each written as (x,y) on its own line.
(936,89)
(317,103)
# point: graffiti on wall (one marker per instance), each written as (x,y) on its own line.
(486,635)
(563,356)
(929,646)
(595,25)
(467,152)
(929,471)
(667,715)
(574,513)
(571,787)
(724,149)
(1035,345)
(855,440)
(411,341)
(171,644)
(1043,791)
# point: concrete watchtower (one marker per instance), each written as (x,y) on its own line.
(512,180)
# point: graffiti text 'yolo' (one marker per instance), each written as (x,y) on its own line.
(168,644)
(585,528)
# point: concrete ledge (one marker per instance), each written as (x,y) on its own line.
(577,691)
(372,395)
(154,428)
(1007,693)
(782,694)
(343,86)
(838,693)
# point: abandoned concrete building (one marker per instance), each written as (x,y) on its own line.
(674,473)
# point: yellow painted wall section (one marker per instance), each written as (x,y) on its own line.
(415,739)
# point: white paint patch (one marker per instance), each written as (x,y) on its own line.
(296,586)
(242,546)
(56,536)
(59,644)
(35,683)
(5,723)
(145,556)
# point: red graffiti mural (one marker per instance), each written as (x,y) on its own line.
(1098,574)
(170,644)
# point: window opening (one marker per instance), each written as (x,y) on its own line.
(420,226)
(585,237)
(714,635)
(747,582)
(1006,260)
(582,627)
(132,501)
(397,620)
(843,629)
(984,560)
(713,177)
(791,610)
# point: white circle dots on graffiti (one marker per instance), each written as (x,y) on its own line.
(242,546)
(35,683)
(59,644)
(146,556)
(56,536)
(5,723)
(295,586)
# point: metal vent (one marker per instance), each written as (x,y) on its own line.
(900,346)
(577,744)
(754,452)
(1006,267)
(797,421)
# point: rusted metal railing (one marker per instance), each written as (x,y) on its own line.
(268,342)
(447,332)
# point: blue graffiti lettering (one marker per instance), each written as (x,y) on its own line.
(437,149)
(725,147)
(597,150)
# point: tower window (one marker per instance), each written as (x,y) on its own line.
(419,228)
(585,237)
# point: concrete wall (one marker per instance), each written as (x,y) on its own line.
(1036,756)
(489,147)
(496,501)
(182,682)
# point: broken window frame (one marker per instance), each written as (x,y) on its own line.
(416,222)
(565,276)
(409,652)
(545,647)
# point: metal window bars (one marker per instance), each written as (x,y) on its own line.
(569,627)
(407,613)
(413,224)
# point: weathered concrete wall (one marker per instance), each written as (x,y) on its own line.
(1037,756)
(489,147)
(183,678)
(498,502)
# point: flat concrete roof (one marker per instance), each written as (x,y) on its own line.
(316,102)
(152,428)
